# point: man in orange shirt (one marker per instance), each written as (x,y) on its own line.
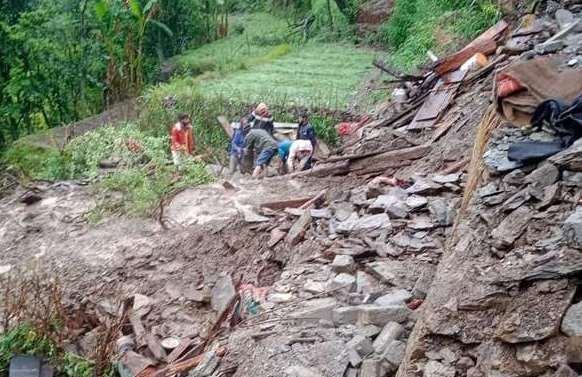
(182,140)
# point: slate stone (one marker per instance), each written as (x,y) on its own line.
(315,310)
(572,178)
(424,186)
(381,315)
(435,369)
(423,284)
(297,231)
(569,159)
(572,228)
(361,345)
(406,242)
(222,293)
(416,201)
(372,367)
(572,321)
(370,223)
(301,371)
(421,223)
(394,206)
(398,297)
(549,47)
(441,212)
(546,174)
(343,263)
(511,228)
(449,178)
(394,353)
(349,224)
(344,281)
(343,210)
(322,213)
(389,333)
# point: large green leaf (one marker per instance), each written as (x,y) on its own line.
(102,9)
(163,26)
(135,8)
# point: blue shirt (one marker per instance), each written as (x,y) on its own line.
(283,149)
(237,143)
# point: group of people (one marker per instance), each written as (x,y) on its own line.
(253,138)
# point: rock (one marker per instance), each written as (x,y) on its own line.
(517,45)
(549,196)
(89,341)
(381,315)
(386,271)
(358,196)
(317,309)
(315,287)
(322,213)
(398,297)
(436,369)
(574,349)
(109,163)
(390,332)
(251,216)
(351,372)
(516,200)
(297,231)
(565,371)
(564,18)
(30,198)
(572,228)
(406,242)
(372,368)
(394,354)
(449,178)
(347,315)
(369,331)
(511,228)
(301,371)
(202,296)
(342,210)
(394,206)
(546,174)
(4,269)
(537,356)
(572,321)
(416,201)
(358,348)
(343,263)
(441,212)
(572,178)
(131,364)
(465,363)
(344,281)
(497,162)
(142,304)
(448,356)
(420,223)
(372,222)
(574,61)
(423,284)
(424,186)
(280,298)
(365,283)
(569,159)
(348,225)
(222,293)
(549,47)
(277,235)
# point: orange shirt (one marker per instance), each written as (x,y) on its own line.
(182,137)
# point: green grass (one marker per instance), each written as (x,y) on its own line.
(252,38)
(442,26)
(314,76)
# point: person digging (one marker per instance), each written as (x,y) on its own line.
(182,141)
(264,146)
(299,158)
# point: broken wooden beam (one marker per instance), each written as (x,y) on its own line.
(389,158)
(282,204)
(186,365)
(297,231)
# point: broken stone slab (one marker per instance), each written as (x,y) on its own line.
(517,200)
(222,293)
(348,225)
(572,322)
(315,287)
(373,367)
(297,231)
(511,228)
(394,354)
(342,210)
(390,332)
(207,365)
(424,186)
(358,348)
(496,160)
(301,371)
(572,178)
(565,18)
(421,223)
(4,269)
(569,159)
(343,263)
(386,271)
(315,310)
(251,216)
(358,196)
(131,364)
(416,201)
(549,47)
(423,284)
(565,371)
(572,228)
(406,242)
(322,213)
(397,297)
(394,206)
(442,212)
(435,369)
(277,235)
(369,331)
(343,282)
(347,315)
(546,174)
(380,315)
(365,283)
(198,295)
(449,178)
(372,222)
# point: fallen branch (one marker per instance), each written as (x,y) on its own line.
(392,72)
(317,198)
(185,366)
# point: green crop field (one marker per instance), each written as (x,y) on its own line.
(313,75)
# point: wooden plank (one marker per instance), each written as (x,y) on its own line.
(443,129)
(388,158)
(486,44)
(281,205)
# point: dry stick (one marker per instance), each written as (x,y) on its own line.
(319,196)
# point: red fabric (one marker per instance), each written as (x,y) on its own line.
(344,128)
(507,85)
(182,138)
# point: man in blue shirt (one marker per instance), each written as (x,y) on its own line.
(237,146)
(305,131)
